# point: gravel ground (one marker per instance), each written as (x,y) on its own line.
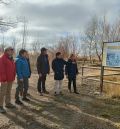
(69,111)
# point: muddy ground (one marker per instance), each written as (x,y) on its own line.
(69,111)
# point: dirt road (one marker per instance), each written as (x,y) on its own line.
(68,111)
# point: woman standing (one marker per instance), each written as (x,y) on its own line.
(71,72)
(58,68)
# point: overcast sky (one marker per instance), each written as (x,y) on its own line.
(50,19)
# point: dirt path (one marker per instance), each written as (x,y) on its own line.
(69,111)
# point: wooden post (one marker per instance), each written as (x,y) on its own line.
(82,71)
(101,79)
(102,72)
(82,75)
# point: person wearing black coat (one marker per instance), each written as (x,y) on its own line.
(43,69)
(71,72)
(28,60)
(58,68)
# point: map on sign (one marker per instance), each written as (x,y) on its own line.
(111,54)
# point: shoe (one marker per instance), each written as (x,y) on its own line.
(46,92)
(28,94)
(10,106)
(18,102)
(76,92)
(25,99)
(55,94)
(2,110)
(41,94)
(61,93)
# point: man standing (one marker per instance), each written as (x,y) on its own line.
(7,76)
(28,60)
(23,73)
(58,68)
(43,69)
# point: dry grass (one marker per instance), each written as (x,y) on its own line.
(112,89)
(69,111)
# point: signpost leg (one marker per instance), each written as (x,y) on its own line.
(101,79)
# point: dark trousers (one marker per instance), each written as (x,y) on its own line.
(41,84)
(22,88)
(70,81)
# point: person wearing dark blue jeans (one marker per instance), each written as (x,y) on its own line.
(23,73)
(41,84)
(43,69)
(71,72)
(70,81)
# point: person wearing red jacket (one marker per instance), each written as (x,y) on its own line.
(7,76)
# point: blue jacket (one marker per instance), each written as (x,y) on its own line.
(22,67)
(58,68)
(71,69)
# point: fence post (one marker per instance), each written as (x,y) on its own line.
(101,79)
(82,75)
(82,70)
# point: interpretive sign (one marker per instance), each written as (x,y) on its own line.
(111,54)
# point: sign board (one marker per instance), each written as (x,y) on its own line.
(111,54)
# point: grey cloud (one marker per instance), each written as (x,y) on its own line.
(60,16)
(67,16)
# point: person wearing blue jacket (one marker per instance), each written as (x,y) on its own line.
(58,68)
(71,72)
(23,73)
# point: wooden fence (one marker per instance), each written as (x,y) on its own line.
(93,74)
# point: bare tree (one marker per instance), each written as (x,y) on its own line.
(3,44)
(97,32)
(5,24)
(68,45)
(102,34)
(36,46)
(90,35)
(14,42)
(24,33)
(2,21)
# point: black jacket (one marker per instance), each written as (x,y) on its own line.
(58,68)
(71,69)
(28,60)
(43,66)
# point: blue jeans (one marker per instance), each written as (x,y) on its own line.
(22,88)
(41,84)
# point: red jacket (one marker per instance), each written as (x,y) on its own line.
(7,69)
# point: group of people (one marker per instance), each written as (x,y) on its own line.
(9,68)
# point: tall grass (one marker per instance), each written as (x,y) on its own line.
(111,89)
